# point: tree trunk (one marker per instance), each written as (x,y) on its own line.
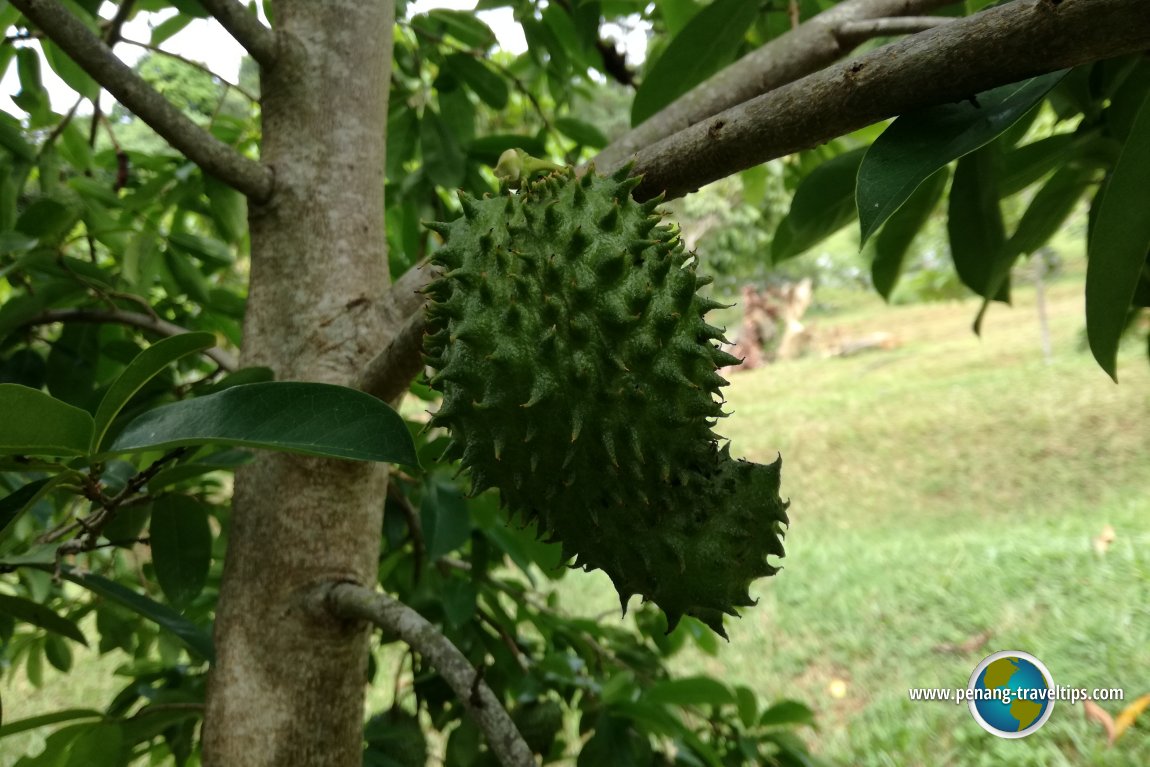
(287,687)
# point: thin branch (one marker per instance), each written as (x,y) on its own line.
(192,63)
(391,371)
(222,358)
(350,601)
(853,33)
(1001,45)
(807,48)
(246,28)
(97,59)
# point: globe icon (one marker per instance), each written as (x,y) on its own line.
(1011,694)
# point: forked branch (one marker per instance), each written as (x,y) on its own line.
(953,62)
(812,45)
(350,601)
(246,28)
(98,60)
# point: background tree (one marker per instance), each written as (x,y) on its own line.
(117,476)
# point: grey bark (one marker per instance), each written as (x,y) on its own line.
(98,60)
(287,687)
(1000,45)
(807,48)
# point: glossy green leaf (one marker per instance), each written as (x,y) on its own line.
(229,211)
(12,138)
(917,144)
(677,13)
(37,424)
(181,542)
(98,744)
(585,134)
(822,204)
(443,158)
(402,137)
(444,518)
(690,691)
(188,279)
(899,232)
(787,712)
(38,615)
(1050,208)
(748,705)
(1118,245)
(310,418)
(192,636)
(205,249)
(487,85)
(70,72)
(974,223)
(464,26)
(708,42)
(169,27)
(142,369)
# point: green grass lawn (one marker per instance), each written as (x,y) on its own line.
(945,489)
(941,490)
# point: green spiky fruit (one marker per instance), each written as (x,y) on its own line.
(579,378)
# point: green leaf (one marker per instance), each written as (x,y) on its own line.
(142,369)
(917,144)
(37,424)
(1118,244)
(443,158)
(193,637)
(1049,208)
(464,26)
(35,722)
(69,71)
(58,653)
(487,85)
(12,138)
(402,137)
(707,43)
(181,541)
(900,229)
(585,134)
(101,743)
(823,204)
(676,13)
(169,27)
(309,418)
(55,748)
(444,518)
(974,223)
(229,210)
(691,691)
(748,705)
(38,615)
(206,249)
(188,279)
(787,712)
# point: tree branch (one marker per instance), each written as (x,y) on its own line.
(391,371)
(118,316)
(97,59)
(1001,45)
(246,28)
(350,601)
(808,48)
(856,32)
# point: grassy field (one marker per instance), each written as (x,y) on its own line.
(943,491)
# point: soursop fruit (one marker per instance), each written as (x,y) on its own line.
(579,378)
